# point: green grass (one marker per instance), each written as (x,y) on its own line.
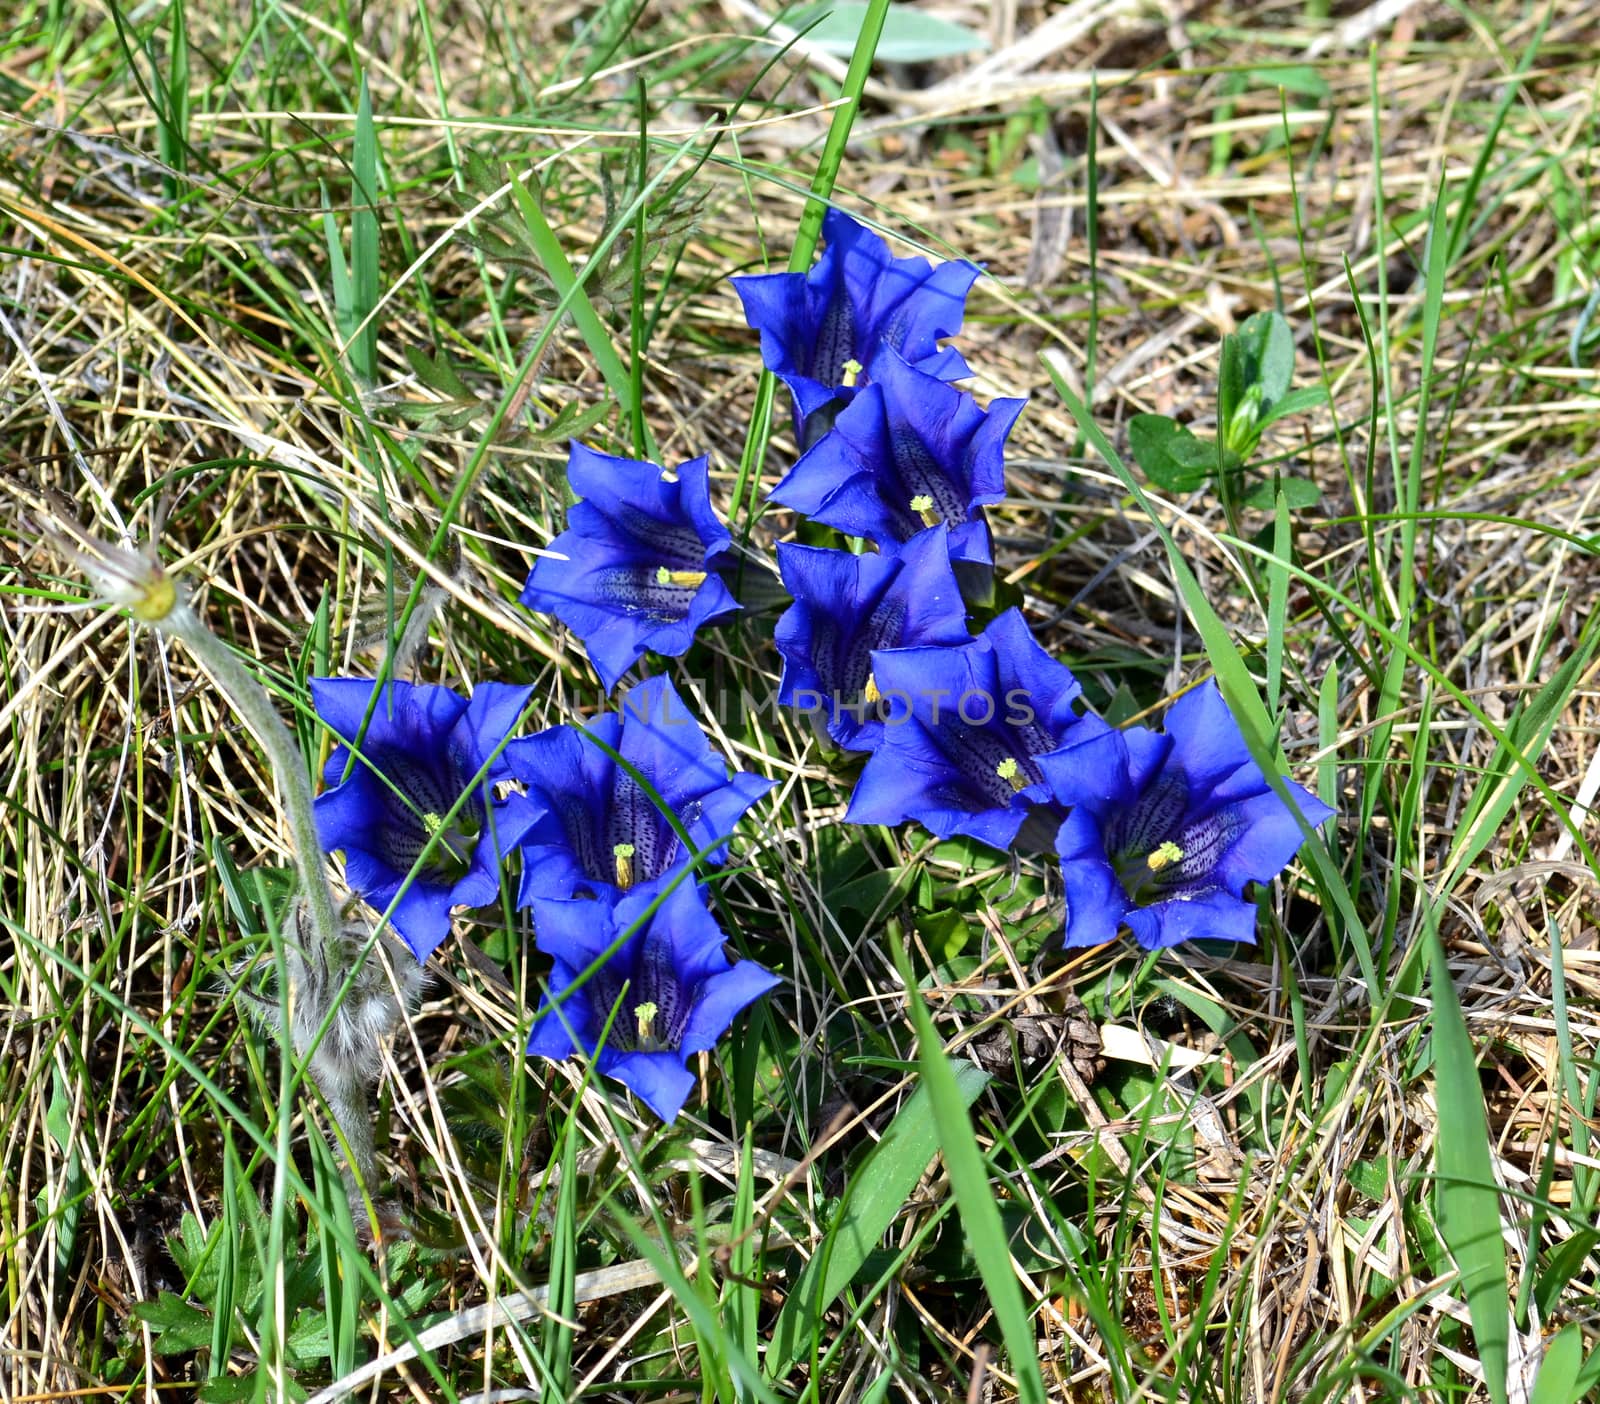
(324,292)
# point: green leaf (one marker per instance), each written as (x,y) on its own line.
(1468,1198)
(1268,346)
(1307,397)
(176,1327)
(877,1193)
(1171,457)
(1294,78)
(975,1198)
(909,36)
(1557,1382)
(1298,494)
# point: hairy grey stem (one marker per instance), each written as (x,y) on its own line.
(318,965)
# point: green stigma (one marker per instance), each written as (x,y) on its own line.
(1009,771)
(852,369)
(922,505)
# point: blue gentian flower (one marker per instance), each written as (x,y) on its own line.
(599,832)
(642,550)
(963,732)
(845,606)
(908,453)
(1166,830)
(422,748)
(823,332)
(673,989)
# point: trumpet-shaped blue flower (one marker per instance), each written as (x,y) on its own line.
(823,332)
(963,732)
(845,607)
(422,748)
(599,832)
(1166,830)
(669,990)
(908,453)
(641,553)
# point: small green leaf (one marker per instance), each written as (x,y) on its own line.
(1298,494)
(1307,397)
(1268,345)
(1293,78)
(1171,457)
(909,36)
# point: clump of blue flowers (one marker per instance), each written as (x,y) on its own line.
(636,568)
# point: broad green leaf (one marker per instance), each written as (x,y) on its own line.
(877,1193)
(1171,457)
(1269,354)
(909,35)
(1557,1382)
(1298,494)
(1467,1195)
(1307,397)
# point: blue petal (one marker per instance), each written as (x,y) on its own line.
(1207,744)
(348,812)
(494,710)
(722,997)
(659,1080)
(562,1028)
(1213,915)
(1091,770)
(1270,838)
(1095,900)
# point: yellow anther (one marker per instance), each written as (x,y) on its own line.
(922,505)
(688,579)
(1165,856)
(645,1015)
(668,476)
(870,692)
(1009,771)
(852,369)
(623,853)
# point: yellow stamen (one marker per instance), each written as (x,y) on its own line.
(1009,771)
(1165,856)
(646,1015)
(156,601)
(922,505)
(687,579)
(623,853)
(852,369)
(870,692)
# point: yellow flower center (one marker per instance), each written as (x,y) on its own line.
(645,1017)
(922,505)
(623,853)
(688,579)
(1009,771)
(852,369)
(1168,854)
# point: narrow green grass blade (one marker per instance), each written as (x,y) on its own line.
(1277,598)
(741,1296)
(805,241)
(975,1197)
(364,280)
(557,1343)
(877,1193)
(1466,1196)
(558,269)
